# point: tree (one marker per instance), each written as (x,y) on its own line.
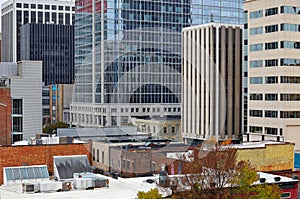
(50,128)
(215,173)
(152,194)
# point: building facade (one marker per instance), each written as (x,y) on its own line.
(54,45)
(273,73)
(212,82)
(128,56)
(23,81)
(15,13)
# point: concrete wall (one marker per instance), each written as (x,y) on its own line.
(272,157)
(29,88)
(102,160)
(38,155)
(292,134)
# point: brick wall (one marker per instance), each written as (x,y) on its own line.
(272,157)
(5,116)
(38,155)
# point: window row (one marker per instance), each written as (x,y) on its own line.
(275,11)
(274,62)
(274,97)
(268,130)
(274,80)
(261,63)
(46,7)
(275,28)
(274,114)
(268,80)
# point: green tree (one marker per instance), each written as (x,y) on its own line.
(216,173)
(50,128)
(152,194)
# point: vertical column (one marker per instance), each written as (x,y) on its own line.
(230,83)
(238,90)
(207,86)
(203,82)
(223,109)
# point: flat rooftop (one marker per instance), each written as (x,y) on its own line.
(121,188)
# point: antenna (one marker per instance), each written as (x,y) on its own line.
(211,18)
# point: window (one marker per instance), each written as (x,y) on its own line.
(290,27)
(40,6)
(271,62)
(67,8)
(103,157)
(290,79)
(47,7)
(33,6)
(98,154)
(290,62)
(270,131)
(290,44)
(290,9)
(290,97)
(256,14)
(271,28)
(173,129)
(94,158)
(255,129)
(19,5)
(271,45)
(60,8)
(289,114)
(256,80)
(271,114)
(256,47)
(256,96)
(271,11)
(165,129)
(256,113)
(271,97)
(272,80)
(17,106)
(53,7)
(26,5)
(256,31)
(286,195)
(256,64)
(17,124)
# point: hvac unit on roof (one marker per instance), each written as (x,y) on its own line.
(30,188)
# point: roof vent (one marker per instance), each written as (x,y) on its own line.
(277,179)
(262,180)
(295,177)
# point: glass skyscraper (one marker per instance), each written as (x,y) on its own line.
(128,56)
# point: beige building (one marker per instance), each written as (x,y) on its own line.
(159,127)
(212,82)
(272,47)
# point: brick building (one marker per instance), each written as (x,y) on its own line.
(5,115)
(38,155)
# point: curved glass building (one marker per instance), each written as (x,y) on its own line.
(128,56)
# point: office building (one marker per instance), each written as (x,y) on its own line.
(128,56)
(273,43)
(15,13)
(54,45)
(21,100)
(212,82)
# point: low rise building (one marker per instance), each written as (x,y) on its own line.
(160,127)
(21,100)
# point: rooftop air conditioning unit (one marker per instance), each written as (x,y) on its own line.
(30,188)
(50,186)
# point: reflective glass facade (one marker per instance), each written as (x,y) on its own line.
(129,51)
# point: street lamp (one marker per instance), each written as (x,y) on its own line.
(4,105)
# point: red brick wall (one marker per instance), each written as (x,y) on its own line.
(5,116)
(38,155)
